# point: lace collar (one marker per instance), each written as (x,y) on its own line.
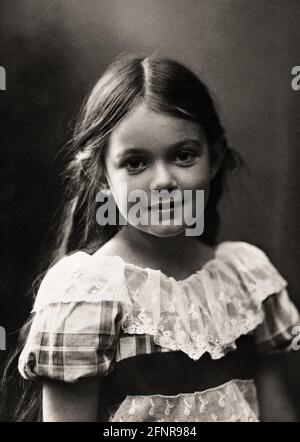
(205,312)
(135,268)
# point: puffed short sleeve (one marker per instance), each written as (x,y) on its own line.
(277,318)
(75,327)
(281,320)
(280,317)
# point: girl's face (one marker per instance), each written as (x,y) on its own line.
(154,151)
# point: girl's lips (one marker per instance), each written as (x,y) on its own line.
(170,205)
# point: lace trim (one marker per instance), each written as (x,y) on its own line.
(204,313)
(194,345)
(234,401)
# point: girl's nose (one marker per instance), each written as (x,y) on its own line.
(163,179)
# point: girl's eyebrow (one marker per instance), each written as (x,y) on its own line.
(129,150)
(139,150)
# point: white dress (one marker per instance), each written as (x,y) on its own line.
(165,347)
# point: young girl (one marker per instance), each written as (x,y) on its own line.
(143,322)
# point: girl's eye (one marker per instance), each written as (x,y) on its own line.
(134,164)
(185,156)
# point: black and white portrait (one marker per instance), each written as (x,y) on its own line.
(149,211)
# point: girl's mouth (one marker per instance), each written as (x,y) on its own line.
(169,205)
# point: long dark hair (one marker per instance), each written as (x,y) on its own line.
(165,86)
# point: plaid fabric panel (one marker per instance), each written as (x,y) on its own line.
(72,340)
(133,345)
(275,333)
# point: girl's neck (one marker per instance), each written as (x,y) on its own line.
(148,243)
(177,255)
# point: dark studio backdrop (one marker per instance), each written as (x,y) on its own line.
(54,51)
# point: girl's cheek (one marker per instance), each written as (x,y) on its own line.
(196,176)
(124,188)
(199,181)
(137,183)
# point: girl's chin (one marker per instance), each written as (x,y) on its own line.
(161,230)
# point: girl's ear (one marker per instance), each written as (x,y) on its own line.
(217,153)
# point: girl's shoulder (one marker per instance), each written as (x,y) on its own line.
(242,250)
(259,296)
(76,319)
(250,263)
(81,277)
